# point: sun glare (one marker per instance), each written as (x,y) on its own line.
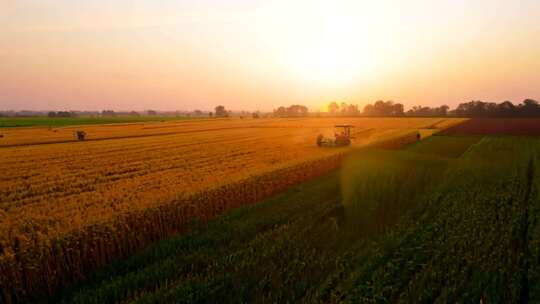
(329,43)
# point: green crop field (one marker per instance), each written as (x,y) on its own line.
(445,146)
(14,122)
(421,225)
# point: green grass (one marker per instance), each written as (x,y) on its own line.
(13,122)
(467,228)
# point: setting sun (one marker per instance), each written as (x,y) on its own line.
(259,55)
(328,43)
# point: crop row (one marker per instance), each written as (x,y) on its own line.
(83,184)
(33,268)
(467,230)
(87,204)
(468,241)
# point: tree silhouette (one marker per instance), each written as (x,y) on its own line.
(427,111)
(333,107)
(292,111)
(221,111)
(384,108)
(477,108)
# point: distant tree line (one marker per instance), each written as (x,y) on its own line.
(63,114)
(528,108)
(221,111)
(427,111)
(291,111)
(108,113)
(384,108)
(475,108)
(343,109)
(104,113)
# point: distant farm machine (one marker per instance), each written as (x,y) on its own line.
(81,135)
(342,137)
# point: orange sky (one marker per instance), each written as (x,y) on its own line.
(257,55)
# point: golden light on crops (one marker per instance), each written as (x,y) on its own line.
(132,184)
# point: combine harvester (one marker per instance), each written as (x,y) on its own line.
(342,137)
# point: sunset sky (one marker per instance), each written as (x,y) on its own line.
(258,55)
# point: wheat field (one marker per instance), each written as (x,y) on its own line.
(130,184)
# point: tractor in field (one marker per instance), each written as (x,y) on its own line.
(342,137)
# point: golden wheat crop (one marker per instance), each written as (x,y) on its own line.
(67,207)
